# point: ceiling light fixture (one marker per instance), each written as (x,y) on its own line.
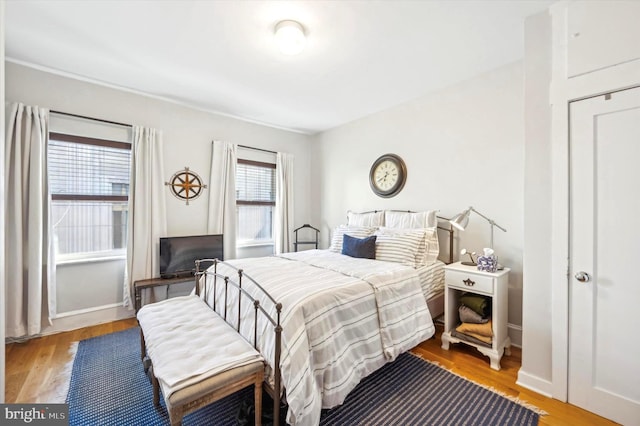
(290,37)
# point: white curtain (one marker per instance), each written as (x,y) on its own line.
(147,220)
(29,252)
(284,203)
(222,195)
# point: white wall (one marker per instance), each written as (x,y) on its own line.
(535,372)
(2,299)
(188,134)
(94,288)
(462,146)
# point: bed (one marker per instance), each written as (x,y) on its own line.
(337,318)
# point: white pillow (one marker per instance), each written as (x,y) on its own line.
(353,231)
(429,246)
(404,220)
(399,248)
(365,219)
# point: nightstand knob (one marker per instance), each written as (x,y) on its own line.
(468,282)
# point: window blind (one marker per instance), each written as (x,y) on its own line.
(255,183)
(89,181)
(255,200)
(86,171)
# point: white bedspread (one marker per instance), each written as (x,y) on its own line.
(343,318)
(178,334)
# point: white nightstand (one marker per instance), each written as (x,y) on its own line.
(461,279)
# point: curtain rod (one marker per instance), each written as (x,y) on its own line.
(91,118)
(257,149)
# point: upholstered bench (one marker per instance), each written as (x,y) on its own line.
(196,356)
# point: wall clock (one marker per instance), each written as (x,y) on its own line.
(185,185)
(388,175)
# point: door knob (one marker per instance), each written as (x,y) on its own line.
(583,277)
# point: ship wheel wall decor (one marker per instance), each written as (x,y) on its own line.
(186,185)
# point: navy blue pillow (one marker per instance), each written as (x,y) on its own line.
(359,247)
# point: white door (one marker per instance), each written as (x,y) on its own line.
(604,272)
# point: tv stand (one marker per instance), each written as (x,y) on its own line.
(188,275)
(140,285)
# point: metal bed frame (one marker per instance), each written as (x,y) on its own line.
(275,389)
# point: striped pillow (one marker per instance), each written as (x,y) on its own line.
(353,231)
(399,247)
(429,246)
(433,245)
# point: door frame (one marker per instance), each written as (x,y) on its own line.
(564,91)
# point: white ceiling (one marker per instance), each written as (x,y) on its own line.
(361,56)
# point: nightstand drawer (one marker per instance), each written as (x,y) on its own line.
(470,282)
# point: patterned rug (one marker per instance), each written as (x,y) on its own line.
(109,387)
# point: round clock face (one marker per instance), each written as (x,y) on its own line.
(388,175)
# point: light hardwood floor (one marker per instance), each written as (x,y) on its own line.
(39,371)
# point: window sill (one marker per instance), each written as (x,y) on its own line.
(78,261)
(255,244)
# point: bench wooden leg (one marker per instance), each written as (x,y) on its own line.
(175,419)
(143,348)
(257,397)
(156,389)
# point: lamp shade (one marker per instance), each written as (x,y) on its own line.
(460,221)
(290,37)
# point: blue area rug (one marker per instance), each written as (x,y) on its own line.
(109,387)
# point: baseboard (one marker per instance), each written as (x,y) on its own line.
(515,333)
(86,311)
(86,318)
(534,383)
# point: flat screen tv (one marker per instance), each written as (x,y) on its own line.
(178,254)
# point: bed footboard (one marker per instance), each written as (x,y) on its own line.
(236,284)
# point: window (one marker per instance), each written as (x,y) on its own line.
(255,200)
(89,181)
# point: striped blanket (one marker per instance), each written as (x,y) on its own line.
(342,318)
